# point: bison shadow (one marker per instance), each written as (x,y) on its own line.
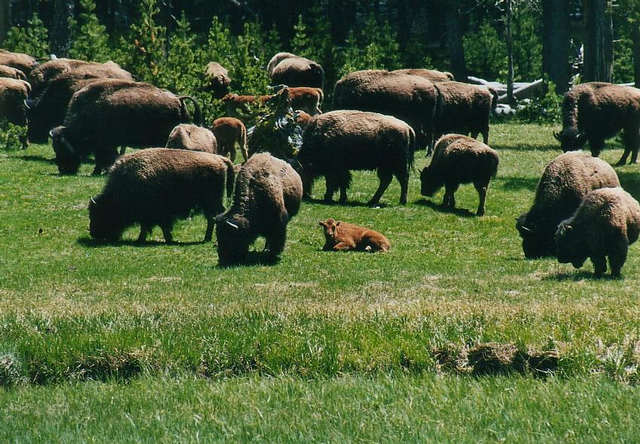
(346,204)
(97,243)
(543,147)
(253,258)
(518,183)
(41,159)
(630,181)
(462,212)
(579,275)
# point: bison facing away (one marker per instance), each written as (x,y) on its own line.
(566,180)
(109,113)
(230,131)
(340,141)
(268,194)
(604,225)
(459,159)
(192,137)
(156,187)
(13,96)
(343,236)
(289,69)
(596,111)
(216,79)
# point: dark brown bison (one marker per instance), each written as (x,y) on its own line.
(289,69)
(187,136)
(596,111)
(340,141)
(158,186)
(409,98)
(230,131)
(268,194)
(23,62)
(12,73)
(216,79)
(109,113)
(343,236)
(459,159)
(566,180)
(13,96)
(429,74)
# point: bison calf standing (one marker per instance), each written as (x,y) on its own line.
(192,137)
(228,132)
(340,141)
(604,225)
(268,193)
(157,186)
(343,236)
(566,180)
(459,159)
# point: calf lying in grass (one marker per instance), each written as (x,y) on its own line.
(343,236)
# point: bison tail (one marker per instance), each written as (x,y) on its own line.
(412,146)
(494,102)
(320,96)
(197,114)
(230,176)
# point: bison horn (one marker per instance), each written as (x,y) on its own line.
(526,229)
(231,224)
(26,104)
(556,135)
(92,201)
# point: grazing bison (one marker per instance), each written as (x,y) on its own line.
(429,74)
(192,137)
(268,194)
(306,99)
(23,62)
(459,159)
(566,180)
(464,109)
(604,225)
(13,96)
(409,98)
(12,73)
(228,132)
(343,236)
(46,72)
(109,113)
(340,141)
(289,69)
(596,111)
(156,187)
(216,79)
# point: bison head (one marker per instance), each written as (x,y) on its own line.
(330,228)
(429,182)
(536,242)
(569,246)
(104,221)
(67,159)
(570,139)
(233,239)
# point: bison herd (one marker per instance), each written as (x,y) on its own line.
(380,119)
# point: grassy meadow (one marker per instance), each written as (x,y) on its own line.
(452,335)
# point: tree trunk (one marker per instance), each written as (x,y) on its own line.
(5,18)
(454,40)
(60,34)
(555,41)
(598,45)
(635,36)
(509,36)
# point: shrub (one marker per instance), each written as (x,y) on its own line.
(545,109)
(12,137)
(32,39)
(485,52)
(89,37)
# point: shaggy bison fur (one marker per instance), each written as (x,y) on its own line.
(109,113)
(192,137)
(306,99)
(216,79)
(228,132)
(464,109)
(23,62)
(596,111)
(343,236)
(340,141)
(289,69)
(156,187)
(13,94)
(12,73)
(268,194)
(407,97)
(564,183)
(459,159)
(604,225)
(429,74)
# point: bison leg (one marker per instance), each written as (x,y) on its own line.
(482,197)
(385,179)
(618,254)
(209,233)
(105,157)
(332,185)
(403,178)
(276,240)
(232,152)
(631,139)
(344,246)
(145,230)
(449,200)
(596,146)
(166,232)
(344,181)
(599,265)
(123,150)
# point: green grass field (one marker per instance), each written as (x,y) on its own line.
(156,342)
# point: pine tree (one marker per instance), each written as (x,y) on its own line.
(32,39)
(300,42)
(148,43)
(90,40)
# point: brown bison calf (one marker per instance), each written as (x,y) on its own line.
(343,236)
(235,103)
(306,99)
(268,194)
(604,225)
(229,131)
(156,186)
(192,137)
(459,159)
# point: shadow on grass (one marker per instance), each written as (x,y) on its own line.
(526,147)
(579,275)
(462,212)
(630,181)
(41,159)
(332,203)
(253,258)
(518,183)
(97,243)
